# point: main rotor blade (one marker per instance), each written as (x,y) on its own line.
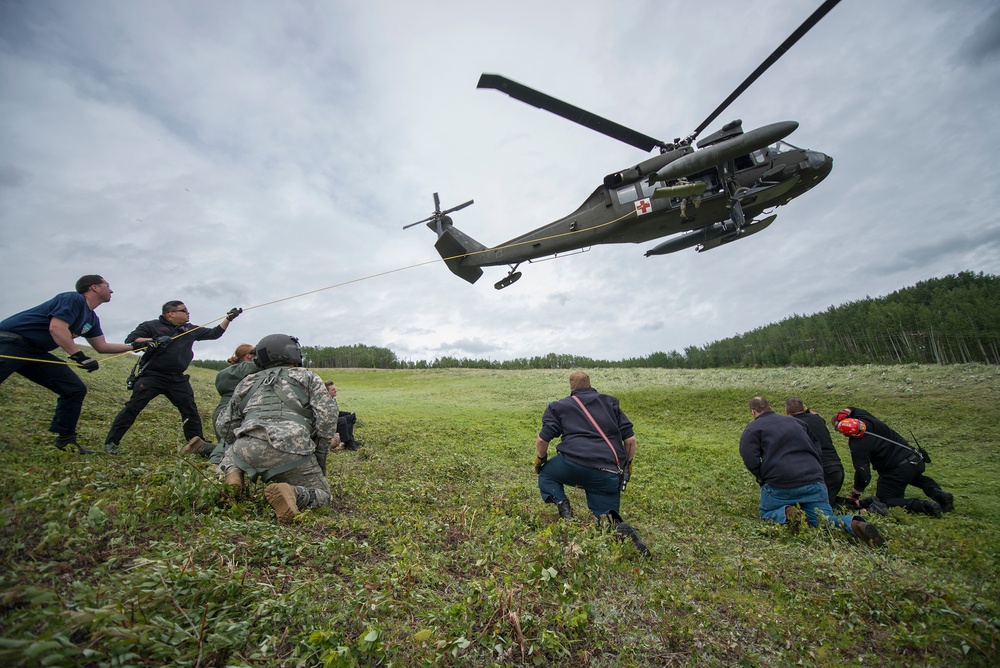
(569,112)
(773,58)
(459,207)
(425,220)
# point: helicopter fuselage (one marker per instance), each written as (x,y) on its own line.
(625,209)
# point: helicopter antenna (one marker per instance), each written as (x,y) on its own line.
(773,58)
(437,220)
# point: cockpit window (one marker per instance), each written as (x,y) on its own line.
(781,147)
(626,194)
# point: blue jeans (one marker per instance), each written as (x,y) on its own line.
(811,498)
(602,487)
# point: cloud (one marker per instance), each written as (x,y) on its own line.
(268,155)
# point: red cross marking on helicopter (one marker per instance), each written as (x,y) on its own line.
(642,206)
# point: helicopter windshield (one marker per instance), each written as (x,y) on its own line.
(761,156)
(779,147)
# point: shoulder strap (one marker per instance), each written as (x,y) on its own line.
(292,405)
(271,379)
(599,430)
(902,445)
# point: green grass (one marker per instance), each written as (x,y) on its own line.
(438,551)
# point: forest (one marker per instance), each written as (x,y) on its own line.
(949,320)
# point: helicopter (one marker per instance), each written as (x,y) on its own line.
(710,196)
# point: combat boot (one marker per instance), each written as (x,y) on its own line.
(235,479)
(281,496)
(946,500)
(565,511)
(923,507)
(873,505)
(196,446)
(70,439)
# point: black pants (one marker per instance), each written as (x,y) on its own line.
(833,477)
(891,487)
(59,378)
(150,385)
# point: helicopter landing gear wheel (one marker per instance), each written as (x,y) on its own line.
(512,276)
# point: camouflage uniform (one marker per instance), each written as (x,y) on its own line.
(225,383)
(271,440)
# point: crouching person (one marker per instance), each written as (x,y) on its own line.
(280,422)
(784,457)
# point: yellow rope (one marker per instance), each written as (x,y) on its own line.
(343,283)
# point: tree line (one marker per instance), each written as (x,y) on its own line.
(950,320)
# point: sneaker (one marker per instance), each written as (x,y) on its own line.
(624,530)
(565,511)
(281,496)
(70,439)
(111,448)
(195,446)
(867,533)
(794,518)
(946,499)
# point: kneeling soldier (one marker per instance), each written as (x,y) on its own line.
(280,421)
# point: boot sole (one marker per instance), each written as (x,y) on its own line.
(871,537)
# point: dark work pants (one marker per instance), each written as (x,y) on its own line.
(602,487)
(59,378)
(149,385)
(833,477)
(891,486)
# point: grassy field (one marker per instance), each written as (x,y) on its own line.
(438,550)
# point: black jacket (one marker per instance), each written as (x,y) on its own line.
(580,441)
(781,452)
(870,451)
(817,427)
(174,357)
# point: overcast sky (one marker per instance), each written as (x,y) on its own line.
(234,153)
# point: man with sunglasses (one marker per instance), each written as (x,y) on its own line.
(168,344)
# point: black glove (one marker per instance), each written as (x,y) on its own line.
(321,460)
(152,344)
(233,313)
(87,363)
(540,462)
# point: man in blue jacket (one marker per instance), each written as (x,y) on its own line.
(27,337)
(784,458)
(595,453)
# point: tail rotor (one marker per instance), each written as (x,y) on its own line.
(439,219)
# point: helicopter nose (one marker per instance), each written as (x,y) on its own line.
(817,159)
(821,162)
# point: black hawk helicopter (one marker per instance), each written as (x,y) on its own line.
(710,196)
